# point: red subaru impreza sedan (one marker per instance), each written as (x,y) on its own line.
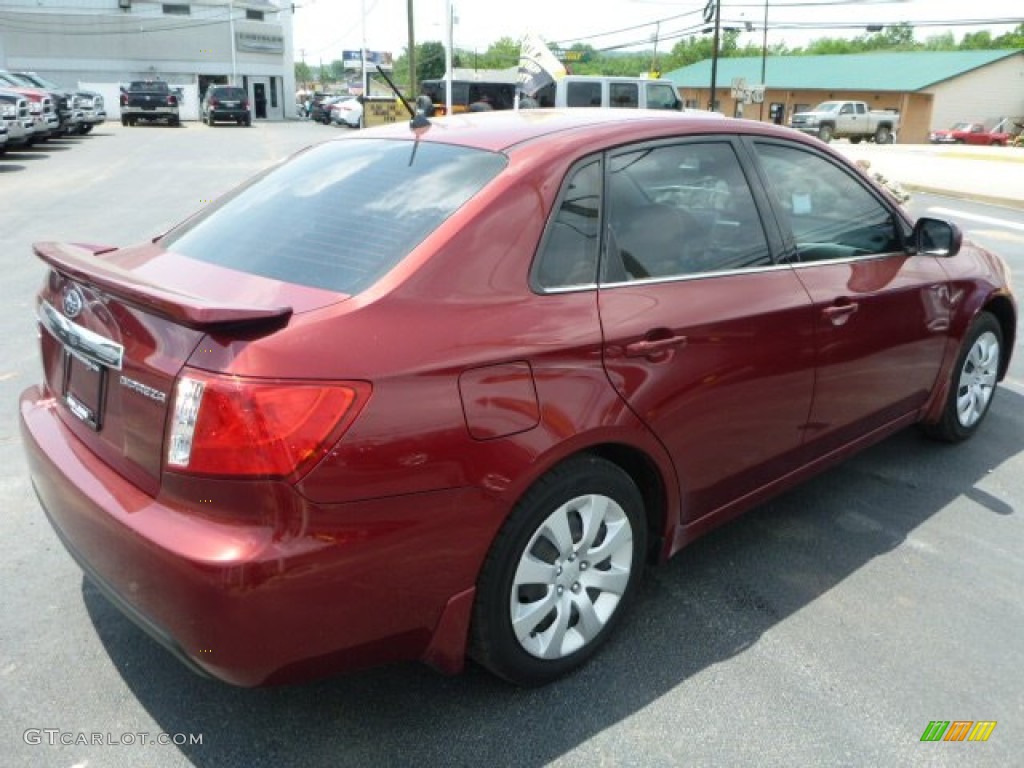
(445,392)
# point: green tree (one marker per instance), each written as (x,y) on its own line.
(429,61)
(303,74)
(977,41)
(1010,40)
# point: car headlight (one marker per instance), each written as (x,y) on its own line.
(35,108)
(811,121)
(9,110)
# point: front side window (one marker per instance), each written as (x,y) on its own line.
(568,253)
(832,215)
(339,215)
(661,96)
(681,209)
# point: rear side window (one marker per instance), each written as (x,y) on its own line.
(661,96)
(340,215)
(582,94)
(568,256)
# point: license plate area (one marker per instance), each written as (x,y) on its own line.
(85,388)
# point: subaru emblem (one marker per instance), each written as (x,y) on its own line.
(74,302)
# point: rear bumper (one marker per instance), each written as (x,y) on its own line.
(338,587)
(229,114)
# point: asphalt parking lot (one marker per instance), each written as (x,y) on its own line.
(828,627)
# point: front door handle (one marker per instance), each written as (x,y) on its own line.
(840,313)
(648,347)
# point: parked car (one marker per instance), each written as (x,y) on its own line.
(348,112)
(418,394)
(149,101)
(41,106)
(320,110)
(17,120)
(89,103)
(973,133)
(225,102)
(848,120)
(67,105)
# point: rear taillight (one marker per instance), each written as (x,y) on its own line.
(172,100)
(245,104)
(124,100)
(227,425)
(214,102)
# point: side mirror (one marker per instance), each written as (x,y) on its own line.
(936,237)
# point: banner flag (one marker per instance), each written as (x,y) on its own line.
(537,65)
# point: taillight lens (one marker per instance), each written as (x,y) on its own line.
(214,102)
(228,425)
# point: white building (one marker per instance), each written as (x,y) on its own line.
(99,44)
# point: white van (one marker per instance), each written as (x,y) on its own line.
(616,92)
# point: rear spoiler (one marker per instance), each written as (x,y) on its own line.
(86,266)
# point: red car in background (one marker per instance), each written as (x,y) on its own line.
(973,133)
(418,394)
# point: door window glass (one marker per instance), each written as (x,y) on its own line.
(832,215)
(680,210)
(583,95)
(661,96)
(568,255)
(625,95)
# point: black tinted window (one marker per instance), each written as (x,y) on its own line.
(681,209)
(569,252)
(227,93)
(831,214)
(583,94)
(623,95)
(339,215)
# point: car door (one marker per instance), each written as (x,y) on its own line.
(706,338)
(881,314)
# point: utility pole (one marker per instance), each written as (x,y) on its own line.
(764,59)
(714,48)
(413,90)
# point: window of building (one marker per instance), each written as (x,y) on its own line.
(177,9)
(254,15)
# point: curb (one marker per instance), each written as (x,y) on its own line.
(1005,202)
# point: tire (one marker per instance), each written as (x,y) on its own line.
(973,382)
(883,135)
(84,128)
(855,139)
(545,572)
(124,121)
(825,133)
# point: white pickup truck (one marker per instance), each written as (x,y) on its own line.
(847,119)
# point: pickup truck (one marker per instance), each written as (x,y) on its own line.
(148,100)
(88,103)
(847,119)
(973,133)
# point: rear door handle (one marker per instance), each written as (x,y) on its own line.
(840,313)
(648,347)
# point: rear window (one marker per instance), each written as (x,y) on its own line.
(339,215)
(229,93)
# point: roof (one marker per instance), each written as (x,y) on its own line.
(502,130)
(900,72)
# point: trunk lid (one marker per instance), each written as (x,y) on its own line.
(117,327)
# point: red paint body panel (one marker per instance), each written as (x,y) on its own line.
(480,385)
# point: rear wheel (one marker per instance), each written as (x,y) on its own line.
(825,133)
(883,135)
(560,572)
(973,383)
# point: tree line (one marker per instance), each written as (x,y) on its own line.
(504,53)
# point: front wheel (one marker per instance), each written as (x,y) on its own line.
(974,382)
(560,572)
(825,133)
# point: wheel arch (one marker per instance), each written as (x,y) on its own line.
(1002,309)
(651,483)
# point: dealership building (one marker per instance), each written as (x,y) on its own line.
(101,44)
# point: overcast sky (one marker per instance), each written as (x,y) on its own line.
(323,28)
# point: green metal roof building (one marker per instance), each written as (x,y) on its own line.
(930,89)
